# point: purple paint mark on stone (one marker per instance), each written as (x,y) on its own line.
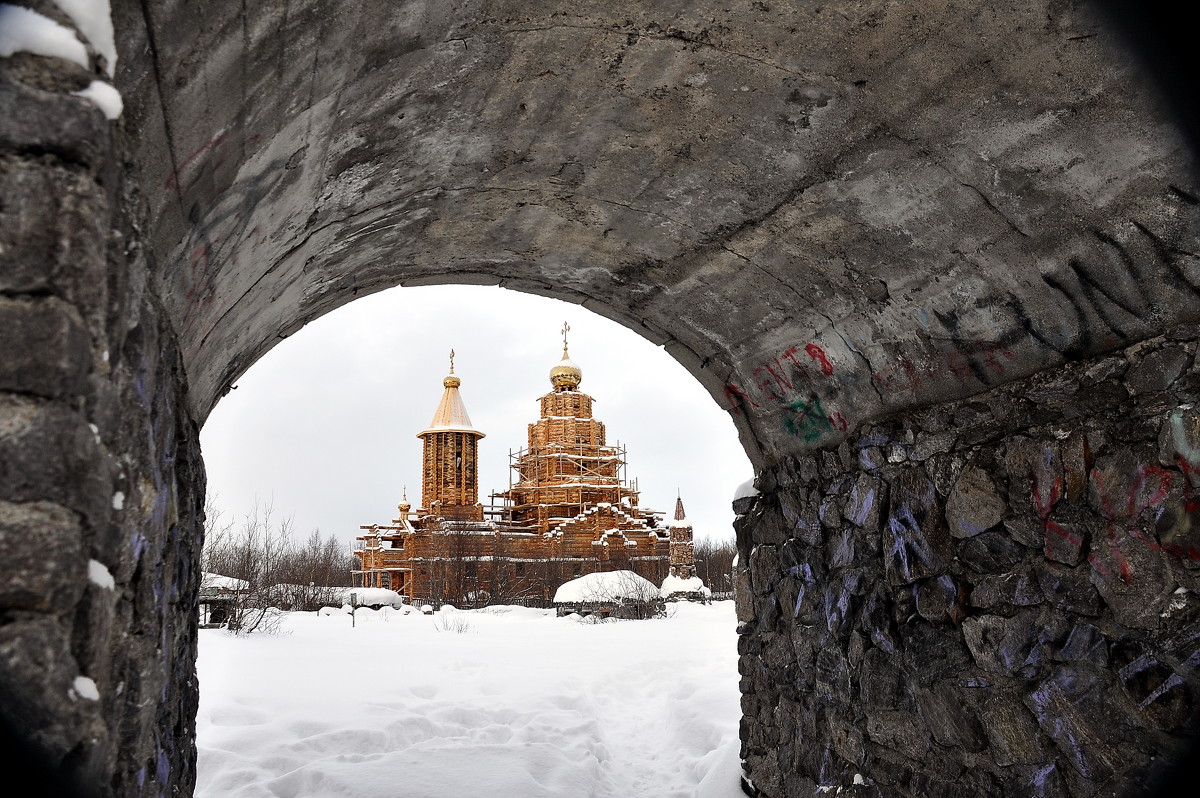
(1040,777)
(139,385)
(864,508)
(1174,680)
(138,542)
(163,772)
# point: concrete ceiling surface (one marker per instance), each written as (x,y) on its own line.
(826,211)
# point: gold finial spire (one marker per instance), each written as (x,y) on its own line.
(566,375)
(451,380)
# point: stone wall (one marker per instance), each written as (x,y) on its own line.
(992,597)
(100,477)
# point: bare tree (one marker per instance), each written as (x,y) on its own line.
(282,574)
(714,563)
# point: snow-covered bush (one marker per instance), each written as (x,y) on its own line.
(450,620)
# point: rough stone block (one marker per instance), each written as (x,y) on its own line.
(1068,589)
(928,445)
(916,543)
(1019,589)
(1132,575)
(1177,527)
(902,732)
(1035,470)
(930,655)
(37,673)
(1028,530)
(48,453)
(1012,732)
(879,680)
(41,546)
(802,517)
(1179,440)
(830,512)
(1042,781)
(938,600)
(1005,646)
(1074,709)
(1068,532)
(47,352)
(846,738)
(990,552)
(950,718)
(764,569)
(974,505)
(832,677)
(52,122)
(53,240)
(1085,643)
(1127,483)
(864,503)
(1157,370)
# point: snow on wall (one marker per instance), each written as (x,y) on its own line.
(23,30)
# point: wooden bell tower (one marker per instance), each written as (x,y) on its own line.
(450,462)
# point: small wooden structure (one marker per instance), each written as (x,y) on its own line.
(220,596)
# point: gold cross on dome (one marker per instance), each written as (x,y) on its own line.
(451,361)
(566,329)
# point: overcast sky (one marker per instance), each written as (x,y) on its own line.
(324,425)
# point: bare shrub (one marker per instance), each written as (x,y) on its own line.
(449,620)
(282,574)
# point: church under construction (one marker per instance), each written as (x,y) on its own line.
(570,511)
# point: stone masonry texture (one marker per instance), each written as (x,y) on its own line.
(938,260)
(1004,602)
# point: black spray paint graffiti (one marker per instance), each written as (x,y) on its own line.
(221,231)
(1105,302)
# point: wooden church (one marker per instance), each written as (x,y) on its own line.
(569,512)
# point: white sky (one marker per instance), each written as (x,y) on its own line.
(324,425)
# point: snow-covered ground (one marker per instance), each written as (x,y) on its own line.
(503,702)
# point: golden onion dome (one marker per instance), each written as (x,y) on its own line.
(567,373)
(451,381)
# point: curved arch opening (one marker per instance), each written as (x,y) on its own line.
(323,428)
(326,422)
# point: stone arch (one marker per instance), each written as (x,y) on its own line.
(834,216)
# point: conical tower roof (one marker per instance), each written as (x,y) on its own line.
(451,414)
(680,516)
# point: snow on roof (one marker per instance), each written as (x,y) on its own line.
(366,596)
(227,582)
(606,586)
(674,584)
(451,414)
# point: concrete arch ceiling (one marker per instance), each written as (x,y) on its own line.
(827,212)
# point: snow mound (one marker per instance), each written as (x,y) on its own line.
(674,584)
(606,586)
